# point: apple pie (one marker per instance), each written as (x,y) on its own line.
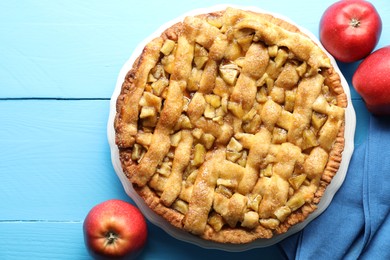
(230,125)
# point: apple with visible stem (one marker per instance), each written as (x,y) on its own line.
(372,81)
(350,29)
(115,229)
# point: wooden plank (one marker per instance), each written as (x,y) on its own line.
(39,240)
(55,159)
(75,48)
(64,240)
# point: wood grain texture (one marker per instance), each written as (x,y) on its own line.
(55,159)
(42,240)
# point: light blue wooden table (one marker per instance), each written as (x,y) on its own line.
(59,61)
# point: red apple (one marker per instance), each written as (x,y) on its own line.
(350,29)
(115,229)
(372,81)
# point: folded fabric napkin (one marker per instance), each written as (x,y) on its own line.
(357,223)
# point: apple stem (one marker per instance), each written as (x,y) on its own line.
(111,237)
(355,22)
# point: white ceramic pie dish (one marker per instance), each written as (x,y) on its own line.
(184,236)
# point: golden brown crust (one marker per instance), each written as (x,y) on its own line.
(199,198)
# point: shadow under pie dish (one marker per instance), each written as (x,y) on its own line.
(230,125)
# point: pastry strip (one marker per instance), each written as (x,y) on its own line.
(174,182)
(302,46)
(308,91)
(203,194)
(128,116)
(173,106)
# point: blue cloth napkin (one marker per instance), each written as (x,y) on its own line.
(357,223)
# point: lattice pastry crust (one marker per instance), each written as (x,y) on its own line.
(230,125)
